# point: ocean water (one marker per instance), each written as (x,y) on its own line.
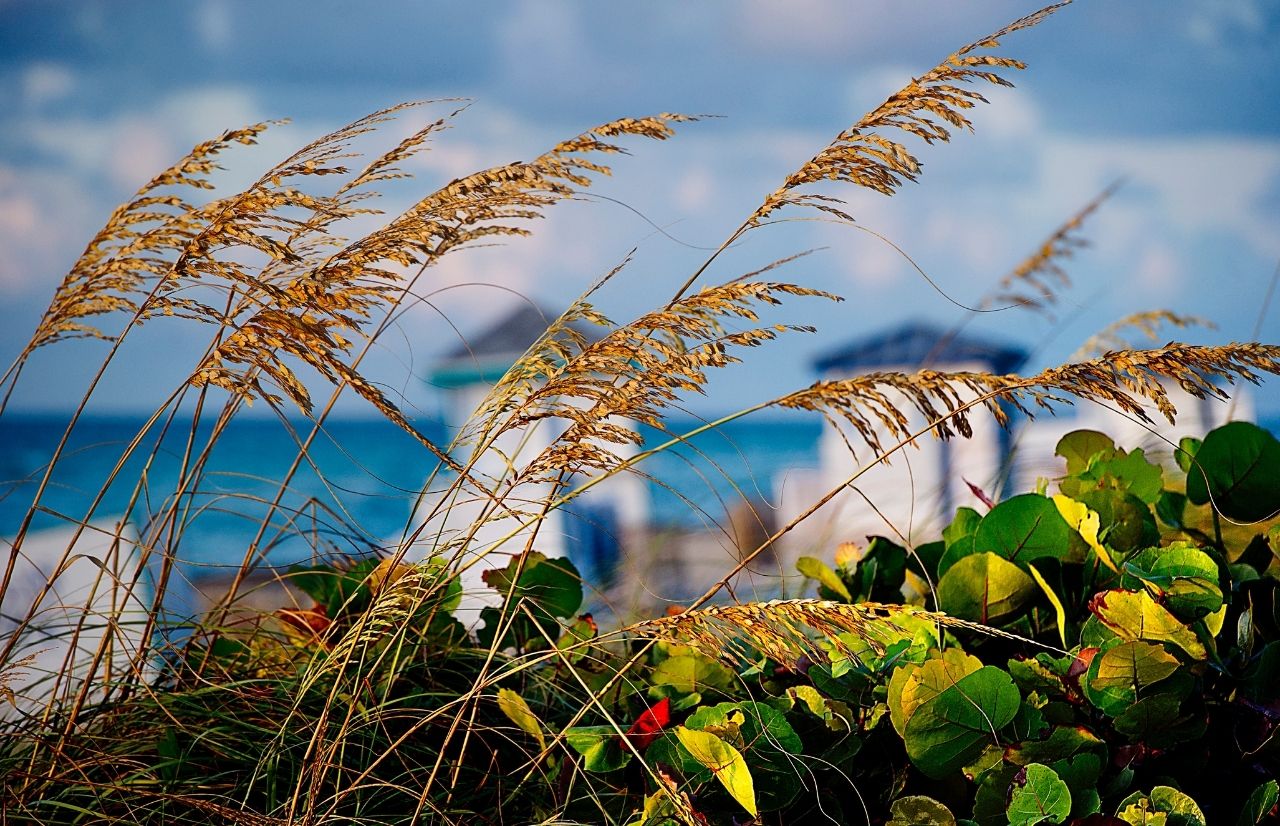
(358,489)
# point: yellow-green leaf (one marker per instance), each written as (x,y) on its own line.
(1057,603)
(724,761)
(1134,666)
(1086,523)
(1134,615)
(817,569)
(518,712)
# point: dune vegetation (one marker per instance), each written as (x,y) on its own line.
(1103,650)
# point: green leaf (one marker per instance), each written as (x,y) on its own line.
(1023,529)
(1136,616)
(1086,523)
(599,746)
(549,588)
(1170,507)
(552,584)
(1133,665)
(1148,716)
(1164,805)
(1188,447)
(983,587)
(1062,742)
(918,810)
(964,524)
(518,712)
(879,574)
(1038,795)
(1127,523)
(1182,577)
(1132,472)
(1238,469)
(1079,447)
(687,673)
(911,686)
(950,730)
(765,738)
(1260,803)
(815,568)
(724,761)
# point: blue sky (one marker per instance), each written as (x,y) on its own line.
(1178,96)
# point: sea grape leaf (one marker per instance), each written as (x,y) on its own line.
(924,558)
(1086,523)
(918,810)
(1164,805)
(1262,800)
(338,590)
(1038,795)
(963,524)
(1134,615)
(1023,529)
(983,587)
(518,712)
(951,729)
(912,685)
(881,571)
(816,569)
(1170,508)
(1169,799)
(691,672)
(1183,577)
(1185,455)
(1238,469)
(1126,522)
(1131,666)
(1081,774)
(552,584)
(549,588)
(1094,463)
(1148,716)
(1062,742)
(1079,447)
(1060,612)
(601,748)
(725,762)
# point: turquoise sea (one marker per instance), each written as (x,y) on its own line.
(358,490)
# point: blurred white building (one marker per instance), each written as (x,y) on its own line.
(911,497)
(590,531)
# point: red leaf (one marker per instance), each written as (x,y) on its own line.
(978,492)
(650,724)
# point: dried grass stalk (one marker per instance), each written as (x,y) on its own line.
(788,630)
(1036,282)
(927,107)
(878,405)
(1147,323)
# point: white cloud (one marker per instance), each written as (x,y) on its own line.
(46,82)
(696,189)
(213,24)
(1215,23)
(543,33)
(1191,185)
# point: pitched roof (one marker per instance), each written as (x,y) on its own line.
(919,344)
(485,356)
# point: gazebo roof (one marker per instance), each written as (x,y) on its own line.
(486,356)
(921,344)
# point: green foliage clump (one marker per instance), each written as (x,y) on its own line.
(1160,708)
